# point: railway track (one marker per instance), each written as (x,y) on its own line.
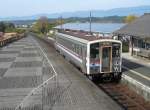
(124,96)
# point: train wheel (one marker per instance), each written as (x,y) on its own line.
(98,79)
(106,79)
(90,77)
(95,79)
(117,78)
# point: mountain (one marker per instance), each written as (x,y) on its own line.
(140,10)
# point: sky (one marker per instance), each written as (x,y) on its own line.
(9,8)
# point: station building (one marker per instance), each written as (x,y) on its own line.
(138,33)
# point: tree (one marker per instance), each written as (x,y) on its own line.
(130,18)
(10,25)
(42,25)
(2,27)
(60,21)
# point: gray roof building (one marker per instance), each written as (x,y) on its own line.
(139,28)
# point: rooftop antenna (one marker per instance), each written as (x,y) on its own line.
(90,22)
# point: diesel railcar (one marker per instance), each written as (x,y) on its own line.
(96,56)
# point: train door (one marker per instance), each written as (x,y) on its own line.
(106,57)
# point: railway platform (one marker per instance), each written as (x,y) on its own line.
(136,73)
(34,76)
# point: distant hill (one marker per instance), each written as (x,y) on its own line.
(96,13)
(109,19)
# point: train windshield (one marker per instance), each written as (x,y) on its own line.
(94,51)
(94,58)
(105,57)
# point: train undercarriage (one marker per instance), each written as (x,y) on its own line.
(107,77)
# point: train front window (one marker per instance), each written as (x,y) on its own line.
(116,50)
(94,51)
(94,58)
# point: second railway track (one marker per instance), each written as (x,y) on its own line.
(124,96)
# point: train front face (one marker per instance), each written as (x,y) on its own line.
(105,58)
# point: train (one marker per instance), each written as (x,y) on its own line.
(98,57)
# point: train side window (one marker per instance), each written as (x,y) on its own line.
(73,47)
(81,51)
(94,51)
(84,52)
(77,49)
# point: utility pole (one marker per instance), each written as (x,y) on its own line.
(61,22)
(90,22)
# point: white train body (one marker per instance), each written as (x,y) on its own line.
(95,56)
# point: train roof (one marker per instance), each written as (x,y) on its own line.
(89,36)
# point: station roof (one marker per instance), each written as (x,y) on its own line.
(139,28)
(84,34)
